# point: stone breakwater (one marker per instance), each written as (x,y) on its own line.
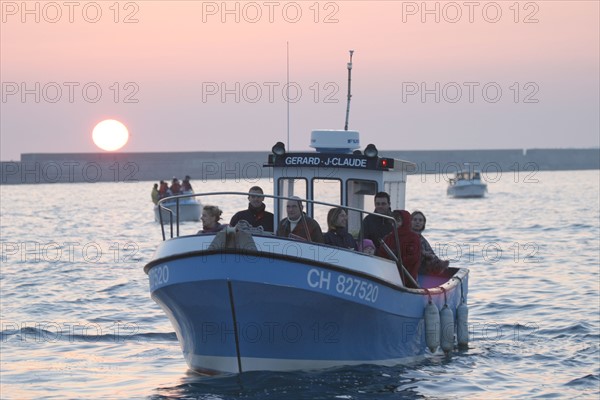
(202,166)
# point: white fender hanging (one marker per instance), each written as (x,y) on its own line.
(432,326)
(447,328)
(462,328)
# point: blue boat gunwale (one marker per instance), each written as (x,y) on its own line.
(454,275)
(457,273)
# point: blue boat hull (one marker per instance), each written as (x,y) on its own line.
(235,313)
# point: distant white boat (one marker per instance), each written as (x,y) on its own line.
(467,184)
(181,208)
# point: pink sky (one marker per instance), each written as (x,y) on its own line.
(170,53)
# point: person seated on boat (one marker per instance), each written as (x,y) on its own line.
(410,246)
(175,187)
(154,194)
(186,186)
(163,189)
(298,225)
(211,215)
(255,214)
(430,262)
(367,247)
(337,235)
(375,227)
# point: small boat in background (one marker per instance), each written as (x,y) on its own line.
(181,208)
(467,183)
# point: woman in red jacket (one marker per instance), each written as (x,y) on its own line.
(410,245)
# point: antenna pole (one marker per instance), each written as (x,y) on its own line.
(349,91)
(287,88)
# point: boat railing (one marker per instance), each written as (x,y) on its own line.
(172,214)
(174,219)
(174,222)
(396,256)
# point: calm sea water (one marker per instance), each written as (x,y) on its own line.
(77,320)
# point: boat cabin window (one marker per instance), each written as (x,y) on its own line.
(356,191)
(328,191)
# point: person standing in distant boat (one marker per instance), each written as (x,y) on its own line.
(154,193)
(175,187)
(211,215)
(186,186)
(255,215)
(298,225)
(430,262)
(376,227)
(163,190)
(338,235)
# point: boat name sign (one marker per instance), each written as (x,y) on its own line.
(331,160)
(328,161)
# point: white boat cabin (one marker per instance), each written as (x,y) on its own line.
(467,175)
(337,172)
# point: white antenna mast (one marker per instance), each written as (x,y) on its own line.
(349,94)
(287,94)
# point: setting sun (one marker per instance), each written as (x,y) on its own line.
(110,135)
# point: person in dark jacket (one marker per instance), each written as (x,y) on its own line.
(186,186)
(337,235)
(298,225)
(376,227)
(410,245)
(255,215)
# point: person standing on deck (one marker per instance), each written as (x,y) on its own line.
(154,194)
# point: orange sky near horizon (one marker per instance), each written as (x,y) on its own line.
(162,63)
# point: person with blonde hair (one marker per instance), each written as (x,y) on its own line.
(211,215)
(337,234)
